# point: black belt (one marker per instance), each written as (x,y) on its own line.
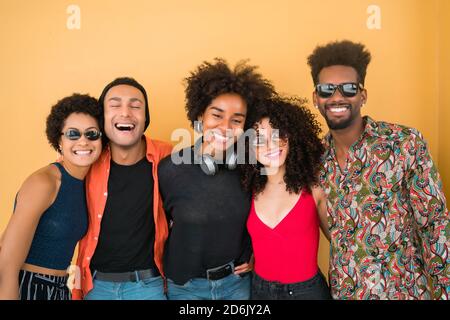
(133,276)
(219,272)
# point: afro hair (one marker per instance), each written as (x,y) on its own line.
(76,103)
(344,53)
(210,80)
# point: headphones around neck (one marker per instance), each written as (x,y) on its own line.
(209,164)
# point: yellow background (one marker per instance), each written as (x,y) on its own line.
(159,42)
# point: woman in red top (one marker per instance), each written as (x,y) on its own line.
(287,206)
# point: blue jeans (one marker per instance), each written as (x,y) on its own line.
(144,289)
(232,287)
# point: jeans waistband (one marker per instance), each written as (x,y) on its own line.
(132,276)
(266,284)
(219,272)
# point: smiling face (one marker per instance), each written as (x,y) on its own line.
(223,122)
(124,112)
(81,152)
(271,149)
(340,112)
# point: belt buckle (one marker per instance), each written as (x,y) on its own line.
(219,272)
(133,277)
(143,275)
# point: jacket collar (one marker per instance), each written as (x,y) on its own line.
(150,151)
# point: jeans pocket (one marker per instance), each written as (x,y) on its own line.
(245,274)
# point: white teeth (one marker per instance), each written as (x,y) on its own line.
(129,125)
(338,110)
(273,154)
(82,152)
(220,137)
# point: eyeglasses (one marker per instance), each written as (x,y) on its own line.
(75,134)
(260,140)
(348,89)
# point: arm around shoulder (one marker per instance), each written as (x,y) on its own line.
(163,148)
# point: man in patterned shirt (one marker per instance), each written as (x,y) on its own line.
(388,219)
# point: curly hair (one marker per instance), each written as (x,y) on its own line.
(76,103)
(344,53)
(210,80)
(298,124)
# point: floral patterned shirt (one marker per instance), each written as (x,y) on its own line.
(388,219)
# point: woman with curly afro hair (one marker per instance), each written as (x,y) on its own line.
(50,214)
(208,250)
(287,206)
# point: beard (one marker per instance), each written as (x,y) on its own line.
(341,123)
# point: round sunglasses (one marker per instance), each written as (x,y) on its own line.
(347,89)
(75,134)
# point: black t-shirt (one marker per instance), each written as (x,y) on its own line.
(209,215)
(127,233)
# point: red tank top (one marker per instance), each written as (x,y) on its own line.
(288,252)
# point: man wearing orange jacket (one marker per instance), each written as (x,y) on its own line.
(120,257)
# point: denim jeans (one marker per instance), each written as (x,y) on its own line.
(144,289)
(232,287)
(315,288)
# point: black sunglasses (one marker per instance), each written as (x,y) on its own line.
(348,89)
(75,134)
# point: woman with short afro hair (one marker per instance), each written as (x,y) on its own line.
(288,205)
(208,250)
(50,214)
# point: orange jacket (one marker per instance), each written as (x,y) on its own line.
(97,193)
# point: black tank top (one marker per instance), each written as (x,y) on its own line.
(127,233)
(61,226)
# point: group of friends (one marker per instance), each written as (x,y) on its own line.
(221,226)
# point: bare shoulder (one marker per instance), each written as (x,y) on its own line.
(41,186)
(47,177)
(35,196)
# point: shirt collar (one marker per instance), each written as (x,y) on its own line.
(371,129)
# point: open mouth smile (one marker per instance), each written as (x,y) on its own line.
(124,126)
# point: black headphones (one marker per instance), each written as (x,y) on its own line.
(209,164)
